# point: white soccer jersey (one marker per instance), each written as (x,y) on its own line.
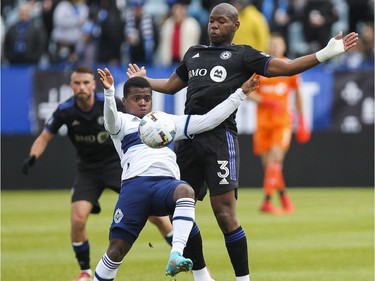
(137,159)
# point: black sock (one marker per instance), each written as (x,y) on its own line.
(237,249)
(194,248)
(83,254)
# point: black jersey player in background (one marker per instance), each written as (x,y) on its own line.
(97,163)
(211,159)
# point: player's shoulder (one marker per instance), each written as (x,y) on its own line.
(245,48)
(99,97)
(67,104)
(196,48)
(130,118)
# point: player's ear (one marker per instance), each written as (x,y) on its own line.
(236,25)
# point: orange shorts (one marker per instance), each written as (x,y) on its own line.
(264,139)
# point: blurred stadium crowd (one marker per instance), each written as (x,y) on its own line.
(158,32)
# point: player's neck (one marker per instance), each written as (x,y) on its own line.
(87,104)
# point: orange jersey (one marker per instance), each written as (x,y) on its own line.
(278,89)
(274,125)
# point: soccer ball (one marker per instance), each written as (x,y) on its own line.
(157,129)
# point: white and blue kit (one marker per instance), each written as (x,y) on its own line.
(149,175)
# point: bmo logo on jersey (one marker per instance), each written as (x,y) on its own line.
(101,137)
(218,74)
(198,72)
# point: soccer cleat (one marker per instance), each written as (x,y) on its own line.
(287,204)
(177,263)
(268,208)
(84,276)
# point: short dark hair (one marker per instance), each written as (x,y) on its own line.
(83,69)
(138,82)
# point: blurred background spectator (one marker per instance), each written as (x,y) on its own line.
(69,17)
(48,8)
(159,31)
(360,11)
(178,32)
(254,30)
(317,19)
(25,40)
(2,32)
(279,14)
(87,47)
(111,36)
(141,34)
(362,55)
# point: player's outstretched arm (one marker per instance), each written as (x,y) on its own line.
(167,86)
(335,47)
(210,120)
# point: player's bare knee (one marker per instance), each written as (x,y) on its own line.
(183,191)
(78,222)
(117,250)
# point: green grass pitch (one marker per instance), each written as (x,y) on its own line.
(329,238)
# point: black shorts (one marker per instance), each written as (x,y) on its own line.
(89,184)
(209,160)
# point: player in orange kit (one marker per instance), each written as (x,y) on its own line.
(274,128)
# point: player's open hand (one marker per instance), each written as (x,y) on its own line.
(106,78)
(251,85)
(134,70)
(349,40)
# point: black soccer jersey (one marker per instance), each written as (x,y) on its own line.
(213,73)
(86,131)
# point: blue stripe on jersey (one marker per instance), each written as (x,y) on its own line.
(232,156)
(100,96)
(129,141)
(186,126)
(69,103)
(265,66)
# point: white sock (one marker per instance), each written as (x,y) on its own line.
(202,275)
(106,269)
(243,278)
(87,271)
(183,220)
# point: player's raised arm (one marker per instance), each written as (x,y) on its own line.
(112,122)
(106,78)
(336,46)
(168,86)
